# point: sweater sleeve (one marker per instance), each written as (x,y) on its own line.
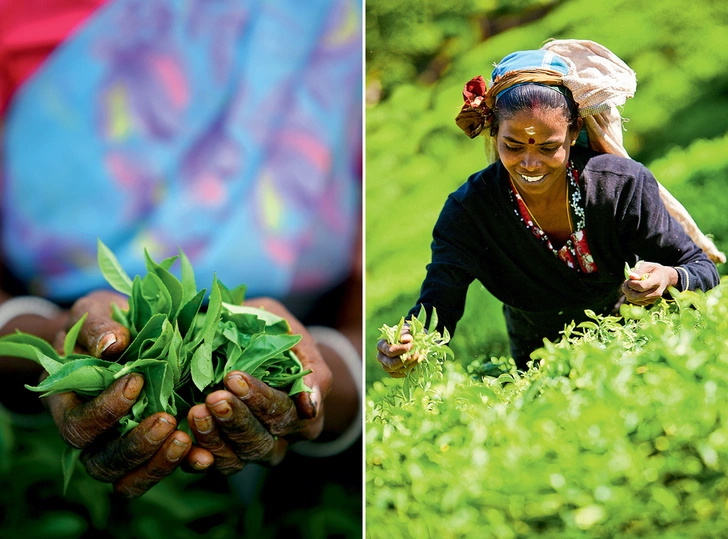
(448,277)
(653,235)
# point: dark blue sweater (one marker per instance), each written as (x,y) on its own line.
(479,236)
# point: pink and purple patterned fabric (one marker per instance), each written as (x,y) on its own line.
(229,129)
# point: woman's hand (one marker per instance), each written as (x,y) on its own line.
(647,282)
(144,456)
(252,422)
(395,358)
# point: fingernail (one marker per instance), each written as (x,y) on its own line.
(197,465)
(160,430)
(315,400)
(204,425)
(238,385)
(106,340)
(133,386)
(175,450)
(221,409)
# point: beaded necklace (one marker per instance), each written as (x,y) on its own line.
(575,252)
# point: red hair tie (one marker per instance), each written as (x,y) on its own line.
(475,114)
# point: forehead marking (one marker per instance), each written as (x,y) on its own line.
(531,141)
(530,130)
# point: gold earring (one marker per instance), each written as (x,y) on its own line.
(573,142)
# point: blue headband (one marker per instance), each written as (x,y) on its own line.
(524,60)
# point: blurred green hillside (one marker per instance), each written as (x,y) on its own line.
(419,53)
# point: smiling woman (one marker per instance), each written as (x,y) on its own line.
(548,227)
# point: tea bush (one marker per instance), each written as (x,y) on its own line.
(619,430)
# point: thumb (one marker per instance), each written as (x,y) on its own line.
(100,335)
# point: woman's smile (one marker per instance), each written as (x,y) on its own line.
(533,179)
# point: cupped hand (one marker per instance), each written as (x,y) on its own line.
(250,421)
(145,455)
(647,282)
(396,358)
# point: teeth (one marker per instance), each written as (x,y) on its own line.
(532,178)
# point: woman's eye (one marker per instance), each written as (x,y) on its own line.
(513,148)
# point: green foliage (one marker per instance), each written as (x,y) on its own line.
(696,176)
(185,506)
(420,38)
(618,430)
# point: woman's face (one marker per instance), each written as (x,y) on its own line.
(534,147)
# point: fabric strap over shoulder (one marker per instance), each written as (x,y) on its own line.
(600,82)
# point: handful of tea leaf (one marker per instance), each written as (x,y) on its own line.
(182,352)
(427,343)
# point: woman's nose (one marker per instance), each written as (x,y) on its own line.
(531,161)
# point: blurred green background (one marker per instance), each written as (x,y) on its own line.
(420,53)
(297,498)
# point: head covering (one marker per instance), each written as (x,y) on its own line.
(528,61)
(599,82)
(525,60)
(532,66)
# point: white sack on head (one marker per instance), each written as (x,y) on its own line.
(600,82)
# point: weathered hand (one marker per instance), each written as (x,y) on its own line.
(647,282)
(252,422)
(395,358)
(149,452)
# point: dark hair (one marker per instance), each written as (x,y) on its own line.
(526,97)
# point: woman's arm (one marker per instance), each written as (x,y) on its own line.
(450,270)
(670,257)
(444,288)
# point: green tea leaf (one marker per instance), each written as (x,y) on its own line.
(152,330)
(140,405)
(433,321)
(68,461)
(87,375)
(188,312)
(218,369)
(241,339)
(139,365)
(232,354)
(168,262)
(156,293)
(173,355)
(262,348)
(189,287)
(299,386)
(168,282)
(69,342)
(139,308)
(158,347)
(31,340)
(236,296)
(212,316)
(246,324)
(119,315)
(126,424)
(158,389)
(112,270)
(274,324)
(201,366)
